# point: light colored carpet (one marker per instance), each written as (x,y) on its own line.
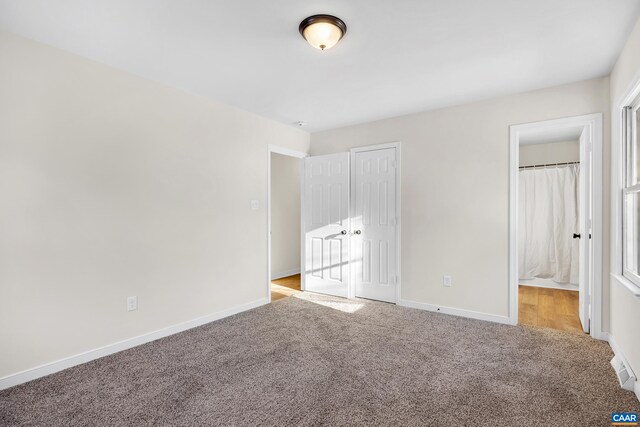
(314,360)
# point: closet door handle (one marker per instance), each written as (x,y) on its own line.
(576,236)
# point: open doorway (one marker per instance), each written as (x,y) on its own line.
(284,222)
(555,224)
(548,231)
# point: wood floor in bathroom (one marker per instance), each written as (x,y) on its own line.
(550,308)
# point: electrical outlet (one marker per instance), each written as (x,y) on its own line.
(446,281)
(132,303)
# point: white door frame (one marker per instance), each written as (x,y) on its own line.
(590,123)
(298,155)
(353,151)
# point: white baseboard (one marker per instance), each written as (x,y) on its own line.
(455,311)
(287,273)
(618,352)
(603,336)
(78,359)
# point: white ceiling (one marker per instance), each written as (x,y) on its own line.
(398,57)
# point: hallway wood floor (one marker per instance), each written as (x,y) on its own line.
(284,287)
(550,308)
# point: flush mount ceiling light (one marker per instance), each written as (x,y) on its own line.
(322,31)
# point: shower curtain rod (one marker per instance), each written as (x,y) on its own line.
(549,164)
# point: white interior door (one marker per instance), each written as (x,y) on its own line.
(374,224)
(586,247)
(326,220)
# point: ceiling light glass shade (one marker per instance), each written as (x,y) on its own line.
(322,31)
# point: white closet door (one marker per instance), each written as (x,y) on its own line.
(326,219)
(374,224)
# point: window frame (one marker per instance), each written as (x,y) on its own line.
(630,115)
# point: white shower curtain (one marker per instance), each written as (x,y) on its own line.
(548,217)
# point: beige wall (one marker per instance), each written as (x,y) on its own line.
(625,308)
(112,185)
(455,189)
(285,215)
(544,154)
(628,65)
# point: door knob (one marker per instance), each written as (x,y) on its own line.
(357,232)
(343,232)
(576,236)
